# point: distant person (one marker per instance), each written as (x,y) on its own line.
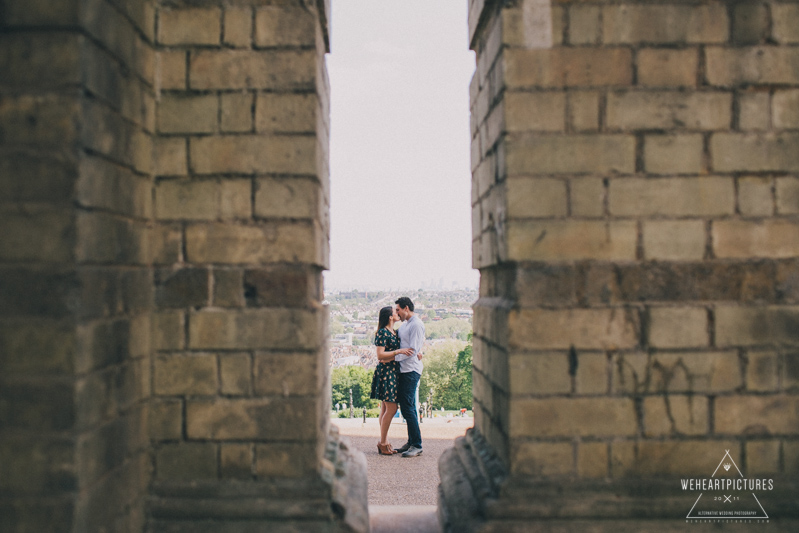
(384,382)
(411,334)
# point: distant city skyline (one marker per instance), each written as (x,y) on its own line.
(400,145)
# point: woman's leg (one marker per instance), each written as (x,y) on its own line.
(382,413)
(385,422)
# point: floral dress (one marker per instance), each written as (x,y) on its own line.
(384,383)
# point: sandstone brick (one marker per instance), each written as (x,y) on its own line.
(678,327)
(56,120)
(670,457)
(189,26)
(40,13)
(485,176)
(272,243)
(602,329)
(571,154)
(571,240)
(288,198)
(739,152)
(42,346)
(587,196)
(673,154)
(791,454)
(762,457)
(37,465)
(677,372)
(39,59)
(37,178)
(785,19)
(236,112)
(278,460)
(757,415)
(666,67)
(753,111)
(546,373)
(750,23)
(767,238)
(203,199)
(572,417)
(711,196)
(762,371)
(786,108)
(542,459)
(536,111)
(517,32)
(592,374)
(675,414)
(583,112)
(253,329)
(567,67)
(536,198)
(37,234)
(238,26)
(638,110)
(584,25)
(103,238)
(294,374)
(246,69)
(186,461)
(755,197)
(262,419)
(170,156)
(184,287)
(185,374)
(664,24)
(674,240)
(235,373)
(187,114)
(787,190)
(172,69)
(280,285)
(228,288)
(249,154)
(236,461)
(748,326)
(168,330)
(752,65)
(166,419)
(592,460)
(285,26)
(165,244)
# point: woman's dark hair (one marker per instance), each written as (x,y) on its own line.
(385,314)
(405,302)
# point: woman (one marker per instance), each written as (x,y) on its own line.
(384,383)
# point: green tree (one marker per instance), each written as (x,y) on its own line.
(451,382)
(336,327)
(356,378)
(449,328)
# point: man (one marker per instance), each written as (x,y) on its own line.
(411,334)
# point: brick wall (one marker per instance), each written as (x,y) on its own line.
(635,226)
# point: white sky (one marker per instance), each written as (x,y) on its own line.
(399,155)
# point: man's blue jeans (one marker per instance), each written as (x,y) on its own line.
(408,381)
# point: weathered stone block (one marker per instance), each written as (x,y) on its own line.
(263,419)
(245,69)
(583,112)
(739,152)
(236,113)
(165,244)
(762,457)
(279,460)
(762,371)
(729,67)
(592,376)
(536,198)
(272,243)
(235,374)
(252,329)
(238,26)
(228,288)
(36,178)
(166,419)
(665,67)
(567,67)
(168,330)
(186,461)
(40,346)
(186,287)
(678,327)
(750,23)
(537,111)
(587,197)
(755,196)
(189,26)
(785,107)
(584,27)
(709,196)
(103,238)
(296,374)
(669,457)
(286,113)
(675,414)
(39,404)
(664,24)
(602,329)
(55,124)
(791,453)
(37,466)
(692,372)
(278,286)
(753,111)
(673,154)
(674,240)
(571,240)
(540,373)
(236,461)
(647,110)
(572,417)
(546,284)
(187,114)
(571,154)
(774,238)
(172,69)
(517,31)
(785,20)
(285,26)
(247,154)
(170,156)
(748,326)
(194,374)
(592,460)
(203,199)
(542,459)
(787,190)
(288,198)
(39,59)
(757,415)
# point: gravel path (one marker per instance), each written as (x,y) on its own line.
(395,480)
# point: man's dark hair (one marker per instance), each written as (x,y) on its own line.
(405,302)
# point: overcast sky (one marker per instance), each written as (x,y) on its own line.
(399,155)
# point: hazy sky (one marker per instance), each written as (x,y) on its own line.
(399,155)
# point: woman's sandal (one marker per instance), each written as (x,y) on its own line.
(385,449)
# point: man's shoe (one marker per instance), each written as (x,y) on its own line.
(404,448)
(413,451)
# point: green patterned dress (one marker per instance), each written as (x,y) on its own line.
(384,383)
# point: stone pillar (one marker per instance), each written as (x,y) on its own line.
(76,118)
(241,403)
(635,200)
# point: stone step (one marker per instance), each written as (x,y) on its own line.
(403,519)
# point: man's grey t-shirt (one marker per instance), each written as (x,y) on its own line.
(411,334)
